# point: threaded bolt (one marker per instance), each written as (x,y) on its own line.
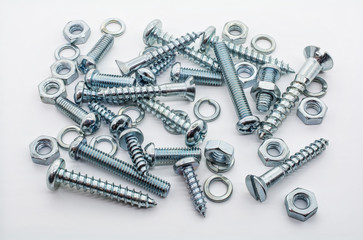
(94,79)
(247,123)
(57,175)
(186,167)
(201,77)
(79,149)
(258,186)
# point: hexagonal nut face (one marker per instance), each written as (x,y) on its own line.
(76,32)
(50,89)
(266,87)
(40,143)
(299,212)
(219,152)
(235,31)
(64,69)
(247,73)
(306,108)
(269,159)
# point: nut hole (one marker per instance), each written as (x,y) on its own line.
(235,30)
(76,29)
(44,147)
(63,69)
(245,71)
(301,201)
(51,88)
(313,107)
(274,149)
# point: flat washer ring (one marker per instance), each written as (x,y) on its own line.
(127,108)
(212,102)
(105,138)
(324,88)
(113,33)
(61,48)
(63,132)
(218,168)
(266,37)
(224,180)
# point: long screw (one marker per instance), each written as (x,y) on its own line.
(161,52)
(316,62)
(194,132)
(247,123)
(79,149)
(200,76)
(94,79)
(57,175)
(169,156)
(258,186)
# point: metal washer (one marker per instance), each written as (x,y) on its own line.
(224,180)
(127,108)
(113,33)
(63,132)
(212,102)
(266,37)
(61,48)
(324,88)
(218,168)
(105,138)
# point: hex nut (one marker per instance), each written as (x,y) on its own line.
(277,144)
(219,152)
(64,64)
(229,30)
(247,68)
(312,103)
(296,212)
(76,32)
(47,85)
(266,87)
(40,143)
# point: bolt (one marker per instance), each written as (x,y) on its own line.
(186,167)
(258,186)
(153,33)
(57,175)
(99,50)
(265,92)
(201,77)
(247,123)
(169,156)
(194,132)
(316,61)
(120,95)
(94,79)
(160,53)
(79,149)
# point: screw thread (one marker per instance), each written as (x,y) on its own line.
(104,189)
(70,109)
(264,102)
(137,154)
(195,190)
(102,80)
(269,74)
(169,156)
(123,169)
(102,47)
(107,115)
(201,77)
(161,65)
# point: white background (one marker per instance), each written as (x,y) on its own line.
(31,31)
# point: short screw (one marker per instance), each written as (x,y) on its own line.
(194,132)
(94,79)
(186,167)
(201,77)
(316,62)
(258,186)
(169,156)
(247,123)
(79,149)
(57,175)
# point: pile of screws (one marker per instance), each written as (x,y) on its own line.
(137,89)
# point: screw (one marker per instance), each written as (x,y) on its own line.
(247,123)
(194,132)
(79,149)
(99,50)
(161,52)
(258,186)
(169,156)
(153,33)
(186,167)
(209,39)
(120,95)
(94,79)
(316,62)
(57,175)
(201,77)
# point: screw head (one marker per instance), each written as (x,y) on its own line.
(153,26)
(145,76)
(185,162)
(248,125)
(74,146)
(88,77)
(207,36)
(150,150)
(52,172)
(85,63)
(324,58)
(257,187)
(196,133)
(119,124)
(130,132)
(175,72)
(190,89)
(78,92)
(90,123)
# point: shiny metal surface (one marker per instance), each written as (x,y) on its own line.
(105,138)
(301,214)
(42,142)
(117,21)
(76,32)
(235,32)
(248,69)
(324,88)
(64,69)
(273,160)
(136,108)
(50,89)
(94,80)
(266,37)
(61,48)
(212,102)
(312,118)
(218,178)
(219,156)
(66,130)
(170,127)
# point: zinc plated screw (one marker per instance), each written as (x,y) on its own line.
(194,132)
(208,40)
(160,53)
(153,33)
(201,77)
(79,149)
(186,167)
(95,79)
(247,123)
(169,156)
(57,175)
(316,62)
(258,186)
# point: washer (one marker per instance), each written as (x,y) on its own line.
(217,168)
(113,33)
(324,88)
(224,180)
(127,108)
(61,48)
(266,37)
(63,132)
(212,102)
(105,138)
